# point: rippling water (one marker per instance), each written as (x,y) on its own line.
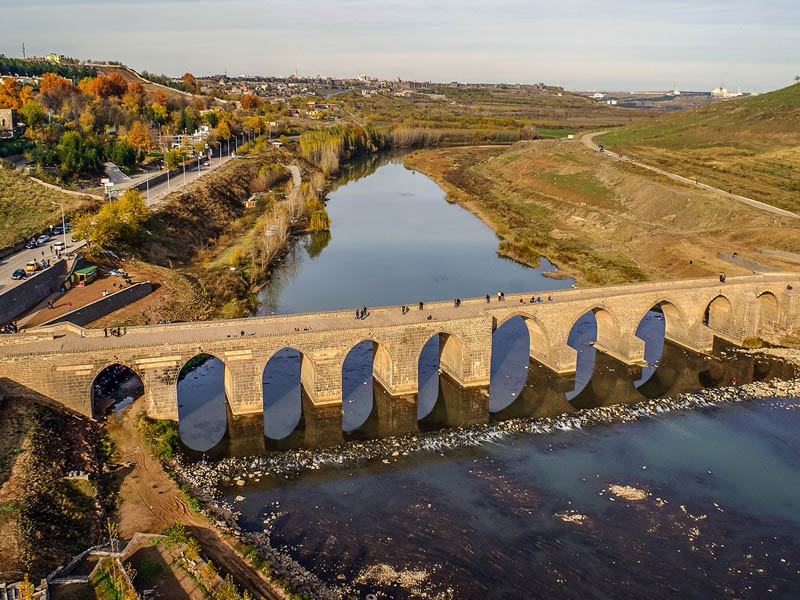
(533,517)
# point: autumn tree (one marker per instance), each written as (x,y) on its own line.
(117,83)
(223,130)
(139,136)
(160,98)
(116,222)
(55,90)
(173,158)
(190,83)
(32,113)
(249,101)
(12,95)
(26,589)
(137,90)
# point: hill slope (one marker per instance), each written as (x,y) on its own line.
(750,145)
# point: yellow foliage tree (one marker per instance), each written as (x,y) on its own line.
(26,589)
(139,136)
(223,130)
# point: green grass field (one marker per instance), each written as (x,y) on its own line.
(26,207)
(748,145)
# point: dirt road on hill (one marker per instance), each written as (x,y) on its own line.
(150,502)
(588,141)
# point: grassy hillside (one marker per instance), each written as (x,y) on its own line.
(26,207)
(748,145)
(601,221)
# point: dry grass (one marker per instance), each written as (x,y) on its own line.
(26,207)
(749,145)
(602,221)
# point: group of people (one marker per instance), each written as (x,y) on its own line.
(115,331)
(457,302)
(535,299)
(404,309)
(9,327)
(362,313)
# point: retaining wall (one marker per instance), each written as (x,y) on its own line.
(103,306)
(32,291)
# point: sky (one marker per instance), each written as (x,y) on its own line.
(579,44)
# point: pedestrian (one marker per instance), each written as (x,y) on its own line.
(105,331)
(499,293)
(789,286)
(420,305)
(42,254)
(357,311)
(364,313)
(455,302)
(549,298)
(733,382)
(69,306)
(51,248)
(503,296)
(487,298)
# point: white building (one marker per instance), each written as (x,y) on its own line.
(721,92)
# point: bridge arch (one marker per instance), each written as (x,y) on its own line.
(364,363)
(96,387)
(768,312)
(662,321)
(284,376)
(718,312)
(441,352)
(538,337)
(203,408)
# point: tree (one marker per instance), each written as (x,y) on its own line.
(32,113)
(160,98)
(223,130)
(117,83)
(116,222)
(55,90)
(77,154)
(139,136)
(26,589)
(173,158)
(123,154)
(190,83)
(212,119)
(12,95)
(137,90)
(249,101)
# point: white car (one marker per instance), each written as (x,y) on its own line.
(59,246)
(42,239)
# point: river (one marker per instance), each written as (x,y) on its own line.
(526,516)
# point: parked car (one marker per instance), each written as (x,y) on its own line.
(59,246)
(31,243)
(43,239)
(32,266)
(58,230)
(19,274)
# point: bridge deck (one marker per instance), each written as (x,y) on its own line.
(70,338)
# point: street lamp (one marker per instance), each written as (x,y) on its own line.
(220,152)
(184,170)
(167,167)
(63,223)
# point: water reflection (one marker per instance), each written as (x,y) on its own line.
(394,239)
(202,408)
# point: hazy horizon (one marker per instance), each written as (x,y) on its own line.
(581,45)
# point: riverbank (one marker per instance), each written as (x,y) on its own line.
(601,221)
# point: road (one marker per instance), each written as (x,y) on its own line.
(17,261)
(588,141)
(159,191)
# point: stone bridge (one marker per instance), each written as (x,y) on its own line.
(60,363)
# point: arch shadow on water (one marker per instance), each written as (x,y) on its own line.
(282,390)
(359,391)
(114,388)
(203,411)
(511,345)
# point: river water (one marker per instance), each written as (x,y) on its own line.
(529,516)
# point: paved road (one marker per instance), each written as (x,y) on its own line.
(159,191)
(17,261)
(588,141)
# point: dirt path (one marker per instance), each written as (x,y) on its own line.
(151,502)
(588,141)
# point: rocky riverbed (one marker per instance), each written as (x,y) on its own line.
(210,481)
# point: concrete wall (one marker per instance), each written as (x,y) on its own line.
(103,306)
(32,291)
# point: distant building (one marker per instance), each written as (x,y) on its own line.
(55,58)
(9,126)
(598,95)
(721,92)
